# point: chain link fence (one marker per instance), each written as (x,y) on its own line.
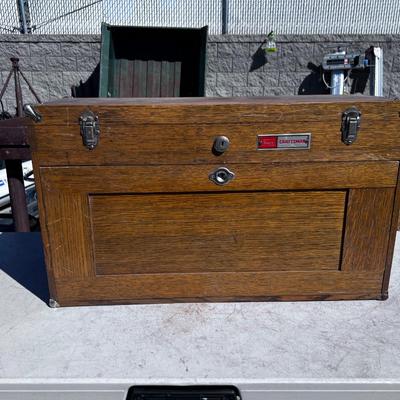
(222,16)
(9,19)
(314,16)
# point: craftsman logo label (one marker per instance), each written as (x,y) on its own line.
(287,141)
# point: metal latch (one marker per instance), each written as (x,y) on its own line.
(32,113)
(90,130)
(351,121)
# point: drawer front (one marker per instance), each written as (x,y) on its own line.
(194,233)
(196,178)
(139,234)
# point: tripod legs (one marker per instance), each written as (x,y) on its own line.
(14,166)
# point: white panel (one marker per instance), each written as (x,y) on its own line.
(62,395)
(320,395)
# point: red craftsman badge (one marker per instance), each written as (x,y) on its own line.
(287,141)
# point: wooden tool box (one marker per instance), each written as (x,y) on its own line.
(164,200)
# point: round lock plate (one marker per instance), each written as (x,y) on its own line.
(221,144)
(221,176)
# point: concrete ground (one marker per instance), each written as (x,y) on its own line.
(189,343)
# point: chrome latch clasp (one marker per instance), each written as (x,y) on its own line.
(30,111)
(351,121)
(90,129)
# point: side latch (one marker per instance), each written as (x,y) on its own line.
(90,130)
(351,121)
(32,113)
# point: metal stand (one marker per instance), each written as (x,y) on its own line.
(14,166)
(340,62)
(337,82)
(376,88)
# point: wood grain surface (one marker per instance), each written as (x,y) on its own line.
(69,234)
(195,178)
(394,223)
(138,219)
(186,233)
(192,144)
(219,286)
(367,229)
(217,112)
(183,132)
(96,230)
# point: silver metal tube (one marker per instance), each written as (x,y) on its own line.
(337,82)
(378,72)
(224,10)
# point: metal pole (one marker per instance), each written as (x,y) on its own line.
(16,189)
(6,83)
(337,82)
(14,170)
(378,72)
(224,17)
(22,16)
(30,87)
(18,90)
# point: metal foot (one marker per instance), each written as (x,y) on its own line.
(53,303)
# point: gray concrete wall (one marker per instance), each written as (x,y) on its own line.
(236,64)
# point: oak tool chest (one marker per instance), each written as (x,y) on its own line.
(199,199)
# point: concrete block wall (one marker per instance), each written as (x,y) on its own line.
(236,65)
(51,63)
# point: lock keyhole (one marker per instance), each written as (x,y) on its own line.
(221,176)
(221,144)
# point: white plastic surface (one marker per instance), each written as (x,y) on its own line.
(251,345)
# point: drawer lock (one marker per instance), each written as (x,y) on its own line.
(221,176)
(221,144)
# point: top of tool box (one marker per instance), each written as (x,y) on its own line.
(217,100)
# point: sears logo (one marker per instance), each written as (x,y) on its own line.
(285,141)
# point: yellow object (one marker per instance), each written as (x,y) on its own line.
(271,44)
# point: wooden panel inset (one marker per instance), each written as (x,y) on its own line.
(367,229)
(69,234)
(185,233)
(392,239)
